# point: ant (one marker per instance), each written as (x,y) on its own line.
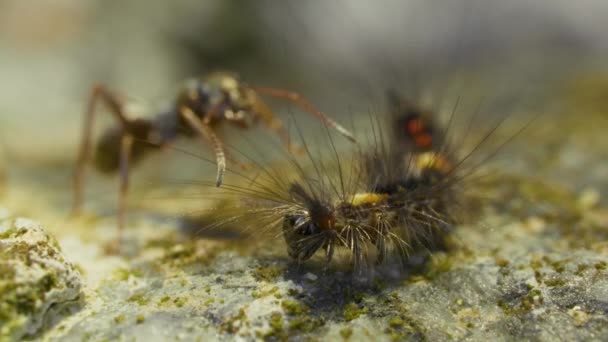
(202,104)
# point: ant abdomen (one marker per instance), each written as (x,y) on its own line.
(108,149)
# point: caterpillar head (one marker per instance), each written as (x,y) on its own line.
(309,229)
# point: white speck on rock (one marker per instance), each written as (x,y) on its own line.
(311,276)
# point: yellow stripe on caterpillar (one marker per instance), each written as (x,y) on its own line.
(368,198)
(434,161)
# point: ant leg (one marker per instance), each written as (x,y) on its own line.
(239,121)
(126,145)
(303,103)
(98,92)
(207,133)
(273,123)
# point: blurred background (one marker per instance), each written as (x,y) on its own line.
(339,53)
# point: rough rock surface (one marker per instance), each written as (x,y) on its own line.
(35,279)
(506,283)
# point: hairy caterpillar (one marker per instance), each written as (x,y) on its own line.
(401,204)
(396,196)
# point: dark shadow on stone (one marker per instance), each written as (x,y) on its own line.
(335,291)
(194,227)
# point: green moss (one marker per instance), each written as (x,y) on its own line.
(538,276)
(264,293)
(536,264)
(123,274)
(558,265)
(353,311)
(21,299)
(276,331)
(80,269)
(139,319)
(535,295)
(580,269)
(8,233)
(139,299)
(292,307)
(163,300)
(554,282)
(300,321)
(600,266)
(398,329)
(438,263)
(230,325)
(293,292)
(501,262)
(276,321)
(165,242)
(180,251)
(504,306)
(305,324)
(195,252)
(396,322)
(267,273)
(416,278)
(526,303)
(346,333)
(119,319)
(180,301)
(209,301)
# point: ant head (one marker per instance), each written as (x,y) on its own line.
(212,85)
(226,82)
(235,92)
